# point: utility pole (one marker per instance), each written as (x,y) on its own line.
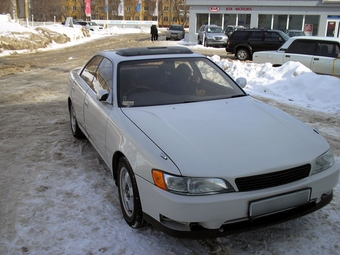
(26,12)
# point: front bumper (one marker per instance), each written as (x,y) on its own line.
(223,214)
(199,232)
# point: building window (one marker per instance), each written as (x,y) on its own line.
(264,21)
(202,19)
(295,22)
(66,8)
(165,19)
(312,21)
(216,19)
(128,9)
(280,22)
(166,9)
(74,8)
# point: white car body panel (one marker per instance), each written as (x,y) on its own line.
(204,136)
(317,63)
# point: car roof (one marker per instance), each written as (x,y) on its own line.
(321,38)
(141,53)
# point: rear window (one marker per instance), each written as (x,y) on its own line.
(179,28)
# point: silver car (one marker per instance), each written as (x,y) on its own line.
(190,151)
(212,35)
(175,32)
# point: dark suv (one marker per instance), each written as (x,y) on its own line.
(244,42)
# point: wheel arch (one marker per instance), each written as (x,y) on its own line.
(115,160)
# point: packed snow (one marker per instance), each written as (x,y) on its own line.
(291,83)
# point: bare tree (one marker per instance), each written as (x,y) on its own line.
(8,6)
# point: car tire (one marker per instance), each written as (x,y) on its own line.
(76,131)
(129,196)
(242,54)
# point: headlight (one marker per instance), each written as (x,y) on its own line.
(210,37)
(190,185)
(323,162)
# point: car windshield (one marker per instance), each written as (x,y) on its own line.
(214,30)
(179,28)
(172,81)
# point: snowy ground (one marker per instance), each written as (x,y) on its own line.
(57,196)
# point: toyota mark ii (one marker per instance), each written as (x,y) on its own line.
(190,151)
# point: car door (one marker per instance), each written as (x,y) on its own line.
(80,86)
(300,51)
(324,60)
(255,41)
(96,111)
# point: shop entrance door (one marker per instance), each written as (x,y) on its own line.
(333,28)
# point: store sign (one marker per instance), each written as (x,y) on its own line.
(308,28)
(214,8)
(239,9)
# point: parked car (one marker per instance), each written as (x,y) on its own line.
(175,32)
(243,43)
(292,33)
(232,28)
(320,54)
(212,35)
(190,151)
(89,25)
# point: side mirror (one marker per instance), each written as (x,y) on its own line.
(242,82)
(102,95)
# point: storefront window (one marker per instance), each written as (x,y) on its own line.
(216,19)
(280,22)
(202,19)
(229,19)
(295,22)
(312,24)
(244,20)
(265,21)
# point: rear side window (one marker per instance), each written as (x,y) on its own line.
(256,36)
(302,47)
(238,35)
(328,49)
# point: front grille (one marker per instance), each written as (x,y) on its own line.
(264,181)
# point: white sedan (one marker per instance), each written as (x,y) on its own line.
(190,151)
(320,54)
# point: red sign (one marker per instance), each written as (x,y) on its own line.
(214,8)
(240,9)
(308,28)
(88,8)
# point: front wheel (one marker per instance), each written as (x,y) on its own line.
(242,54)
(128,195)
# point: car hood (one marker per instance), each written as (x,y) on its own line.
(230,138)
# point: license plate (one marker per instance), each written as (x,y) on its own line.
(276,204)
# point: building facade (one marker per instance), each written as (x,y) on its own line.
(314,17)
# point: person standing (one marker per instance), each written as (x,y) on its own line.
(154,33)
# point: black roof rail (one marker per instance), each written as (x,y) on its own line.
(153,51)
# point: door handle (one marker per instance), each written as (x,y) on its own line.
(316,59)
(86,104)
(287,56)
